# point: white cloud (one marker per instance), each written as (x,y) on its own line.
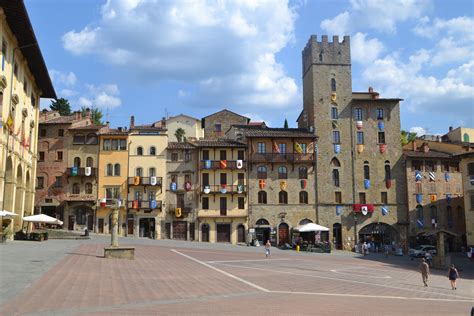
(420,131)
(67,93)
(365,50)
(374,14)
(213,45)
(63,78)
(101,96)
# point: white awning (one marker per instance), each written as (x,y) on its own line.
(42,218)
(7,213)
(311,227)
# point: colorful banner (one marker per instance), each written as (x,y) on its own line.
(223,164)
(303,183)
(337,148)
(207,164)
(88,171)
(223,188)
(447,176)
(178,212)
(276,149)
(207,189)
(382,148)
(173,186)
(381,125)
(384,210)
(153,180)
(136,180)
(240,188)
(240,164)
(359,124)
(298,148)
(338,210)
(74,171)
(153,204)
(187,186)
(420,223)
(388,183)
(366,183)
(433,198)
(419,198)
(283,185)
(432,176)
(360,148)
(363,208)
(261,184)
(418,176)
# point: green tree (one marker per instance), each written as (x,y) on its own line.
(285,125)
(61,105)
(180,135)
(96,114)
(407,137)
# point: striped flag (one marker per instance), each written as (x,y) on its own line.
(432,176)
(420,223)
(276,149)
(298,148)
(310,147)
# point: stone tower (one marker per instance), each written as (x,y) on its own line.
(359,140)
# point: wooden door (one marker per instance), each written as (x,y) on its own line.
(241,233)
(179,230)
(130,225)
(223,232)
(191,231)
(205,233)
(71,221)
(223,206)
(283,234)
(101,225)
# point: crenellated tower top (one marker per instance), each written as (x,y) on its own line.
(325,52)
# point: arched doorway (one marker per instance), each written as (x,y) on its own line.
(84,217)
(241,233)
(205,233)
(262,230)
(378,233)
(283,234)
(337,235)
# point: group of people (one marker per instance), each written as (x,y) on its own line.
(453,273)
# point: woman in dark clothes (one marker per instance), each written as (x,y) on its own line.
(453,275)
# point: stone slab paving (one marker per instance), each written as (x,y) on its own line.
(181,278)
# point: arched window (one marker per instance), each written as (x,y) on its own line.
(88,188)
(76,188)
(89,162)
(303,172)
(283,197)
(262,172)
(262,221)
(152,151)
(77,162)
(140,151)
(449,216)
(433,214)
(117,169)
(335,177)
(110,170)
(303,197)
(335,162)
(419,212)
(282,172)
(466,138)
(91,139)
(139,172)
(79,139)
(152,172)
(333,85)
(366,170)
(388,173)
(321,57)
(262,197)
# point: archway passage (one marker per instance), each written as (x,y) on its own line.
(379,233)
(241,233)
(283,234)
(205,232)
(262,230)
(337,235)
(83,216)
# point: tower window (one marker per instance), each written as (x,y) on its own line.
(333,85)
(336,137)
(360,138)
(380,114)
(381,138)
(358,114)
(320,57)
(366,170)
(334,113)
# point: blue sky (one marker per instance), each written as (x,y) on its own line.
(148,58)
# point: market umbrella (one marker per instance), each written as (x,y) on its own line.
(7,213)
(42,218)
(311,227)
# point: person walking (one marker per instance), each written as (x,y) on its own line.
(267,249)
(425,271)
(453,275)
(364,248)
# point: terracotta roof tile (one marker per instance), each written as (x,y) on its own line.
(252,131)
(430,154)
(181,145)
(218,142)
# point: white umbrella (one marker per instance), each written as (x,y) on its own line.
(311,227)
(7,213)
(42,218)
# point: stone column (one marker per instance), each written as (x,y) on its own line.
(114,235)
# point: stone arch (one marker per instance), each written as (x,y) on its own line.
(379,233)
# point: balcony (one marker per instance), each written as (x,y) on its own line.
(219,189)
(185,209)
(221,164)
(144,204)
(282,158)
(233,213)
(144,181)
(80,197)
(81,172)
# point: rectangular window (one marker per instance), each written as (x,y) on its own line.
(223,178)
(60,132)
(261,148)
(454,167)
(430,165)
(41,156)
(240,178)
(115,144)
(334,114)
(223,154)
(40,182)
(174,156)
(282,148)
(58,182)
(360,138)
(188,156)
(380,114)
(381,138)
(43,132)
(416,165)
(358,114)
(445,166)
(241,203)
(122,144)
(362,197)
(384,197)
(205,203)
(338,197)
(336,137)
(205,179)
(114,193)
(205,154)
(223,206)
(59,155)
(240,155)
(107,144)
(218,128)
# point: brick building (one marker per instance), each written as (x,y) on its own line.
(467,168)
(360,183)
(216,124)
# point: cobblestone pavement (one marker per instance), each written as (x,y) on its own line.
(173,278)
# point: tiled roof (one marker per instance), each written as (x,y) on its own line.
(430,154)
(252,131)
(60,120)
(181,145)
(88,127)
(218,142)
(113,131)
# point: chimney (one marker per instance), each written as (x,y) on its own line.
(371,90)
(132,121)
(163,122)
(78,115)
(425,147)
(88,112)
(413,145)
(107,124)
(450,128)
(120,129)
